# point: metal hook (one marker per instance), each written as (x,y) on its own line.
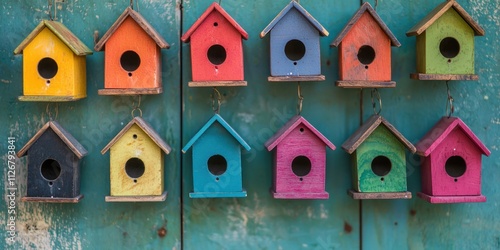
(132,4)
(216,96)
(50,10)
(136,108)
(376,4)
(300,98)
(450,108)
(220,1)
(375,93)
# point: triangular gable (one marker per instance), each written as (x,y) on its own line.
(224,124)
(66,137)
(367,129)
(61,32)
(146,128)
(214,7)
(289,127)
(441,130)
(365,7)
(129,12)
(438,12)
(301,10)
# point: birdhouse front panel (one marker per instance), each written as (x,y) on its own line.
(136,165)
(365,52)
(217,162)
(380,163)
(295,48)
(216,50)
(53,169)
(300,163)
(448,46)
(132,58)
(50,68)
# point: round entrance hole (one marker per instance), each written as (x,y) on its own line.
(301,166)
(449,47)
(134,168)
(455,166)
(217,54)
(217,165)
(47,68)
(381,165)
(295,50)
(50,169)
(130,61)
(366,54)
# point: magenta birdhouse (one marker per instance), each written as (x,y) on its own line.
(299,161)
(451,163)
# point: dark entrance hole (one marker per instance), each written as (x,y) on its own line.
(366,54)
(134,168)
(217,165)
(295,50)
(50,169)
(217,54)
(301,166)
(449,47)
(47,68)
(130,61)
(455,166)
(381,165)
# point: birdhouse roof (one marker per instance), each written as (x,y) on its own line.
(301,10)
(441,130)
(367,129)
(61,32)
(129,12)
(216,118)
(213,7)
(364,8)
(289,127)
(438,12)
(146,128)
(66,137)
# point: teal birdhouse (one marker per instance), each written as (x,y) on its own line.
(379,162)
(217,160)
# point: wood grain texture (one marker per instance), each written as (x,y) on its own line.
(41,98)
(443,77)
(218,84)
(53,199)
(451,199)
(128,91)
(365,84)
(378,196)
(296,78)
(138,198)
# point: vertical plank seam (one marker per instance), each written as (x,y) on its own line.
(181,162)
(360,212)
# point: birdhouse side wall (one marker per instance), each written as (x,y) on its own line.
(294,26)
(42,178)
(48,45)
(80,86)
(142,147)
(216,30)
(457,143)
(366,32)
(381,143)
(426,174)
(131,37)
(450,24)
(298,144)
(217,141)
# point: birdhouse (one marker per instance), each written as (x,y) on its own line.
(216,49)
(217,160)
(132,56)
(54,66)
(379,162)
(295,48)
(365,51)
(451,163)
(299,161)
(53,165)
(136,164)
(445,44)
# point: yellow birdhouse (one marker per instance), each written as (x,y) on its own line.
(53,64)
(136,163)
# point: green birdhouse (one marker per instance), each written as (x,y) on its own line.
(445,44)
(379,162)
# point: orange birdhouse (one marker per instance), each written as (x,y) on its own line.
(365,51)
(216,49)
(132,56)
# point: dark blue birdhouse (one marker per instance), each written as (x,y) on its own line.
(53,165)
(295,48)
(217,160)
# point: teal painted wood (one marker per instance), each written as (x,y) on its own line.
(92,223)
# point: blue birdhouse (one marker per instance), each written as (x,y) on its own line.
(217,160)
(295,48)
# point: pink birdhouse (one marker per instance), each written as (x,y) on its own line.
(299,161)
(216,49)
(451,163)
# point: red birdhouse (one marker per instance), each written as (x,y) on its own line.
(300,161)
(365,51)
(451,163)
(132,59)
(216,49)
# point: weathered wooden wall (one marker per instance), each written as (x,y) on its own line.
(256,112)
